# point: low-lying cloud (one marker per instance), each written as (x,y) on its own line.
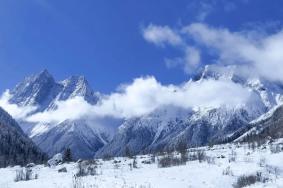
(13,109)
(142,96)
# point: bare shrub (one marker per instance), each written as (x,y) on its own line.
(210,160)
(25,174)
(192,156)
(201,156)
(232,156)
(275,149)
(86,168)
(228,171)
(152,158)
(246,180)
(262,162)
(182,149)
(170,160)
(272,170)
(135,163)
(77,182)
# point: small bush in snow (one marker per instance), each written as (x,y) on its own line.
(86,168)
(246,180)
(262,162)
(232,156)
(170,160)
(275,149)
(25,174)
(210,160)
(152,158)
(201,156)
(77,182)
(228,171)
(135,163)
(64,169)
(272,170)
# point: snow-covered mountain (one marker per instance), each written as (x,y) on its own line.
(163,129)
(268,126)
(41,90)
(15,147)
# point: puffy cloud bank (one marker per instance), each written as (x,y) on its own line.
(142,96)
(261,52)
(16,111)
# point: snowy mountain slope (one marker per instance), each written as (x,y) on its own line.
(76,134)
(82,136)
(15,147)
(199,126)
(266,127)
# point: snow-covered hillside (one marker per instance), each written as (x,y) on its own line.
(222,167)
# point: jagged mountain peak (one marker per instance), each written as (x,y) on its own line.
(43,91)
(42,77)
(76,82)
(237,74)
(33,90)
(77,86)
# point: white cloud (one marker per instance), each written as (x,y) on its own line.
(192,59)
(204,10)
(14,110)
(161,35)
(264,53)
(145,95)
(189,62)
(71,109)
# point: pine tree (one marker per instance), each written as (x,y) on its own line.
(67,157)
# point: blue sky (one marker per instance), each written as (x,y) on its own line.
(103,40)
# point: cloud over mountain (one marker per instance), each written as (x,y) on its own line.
(142,96)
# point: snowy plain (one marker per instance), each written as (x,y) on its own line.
(227,163)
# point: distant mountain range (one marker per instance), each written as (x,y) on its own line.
(162,129)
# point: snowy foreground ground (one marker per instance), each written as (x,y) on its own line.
(217,172)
